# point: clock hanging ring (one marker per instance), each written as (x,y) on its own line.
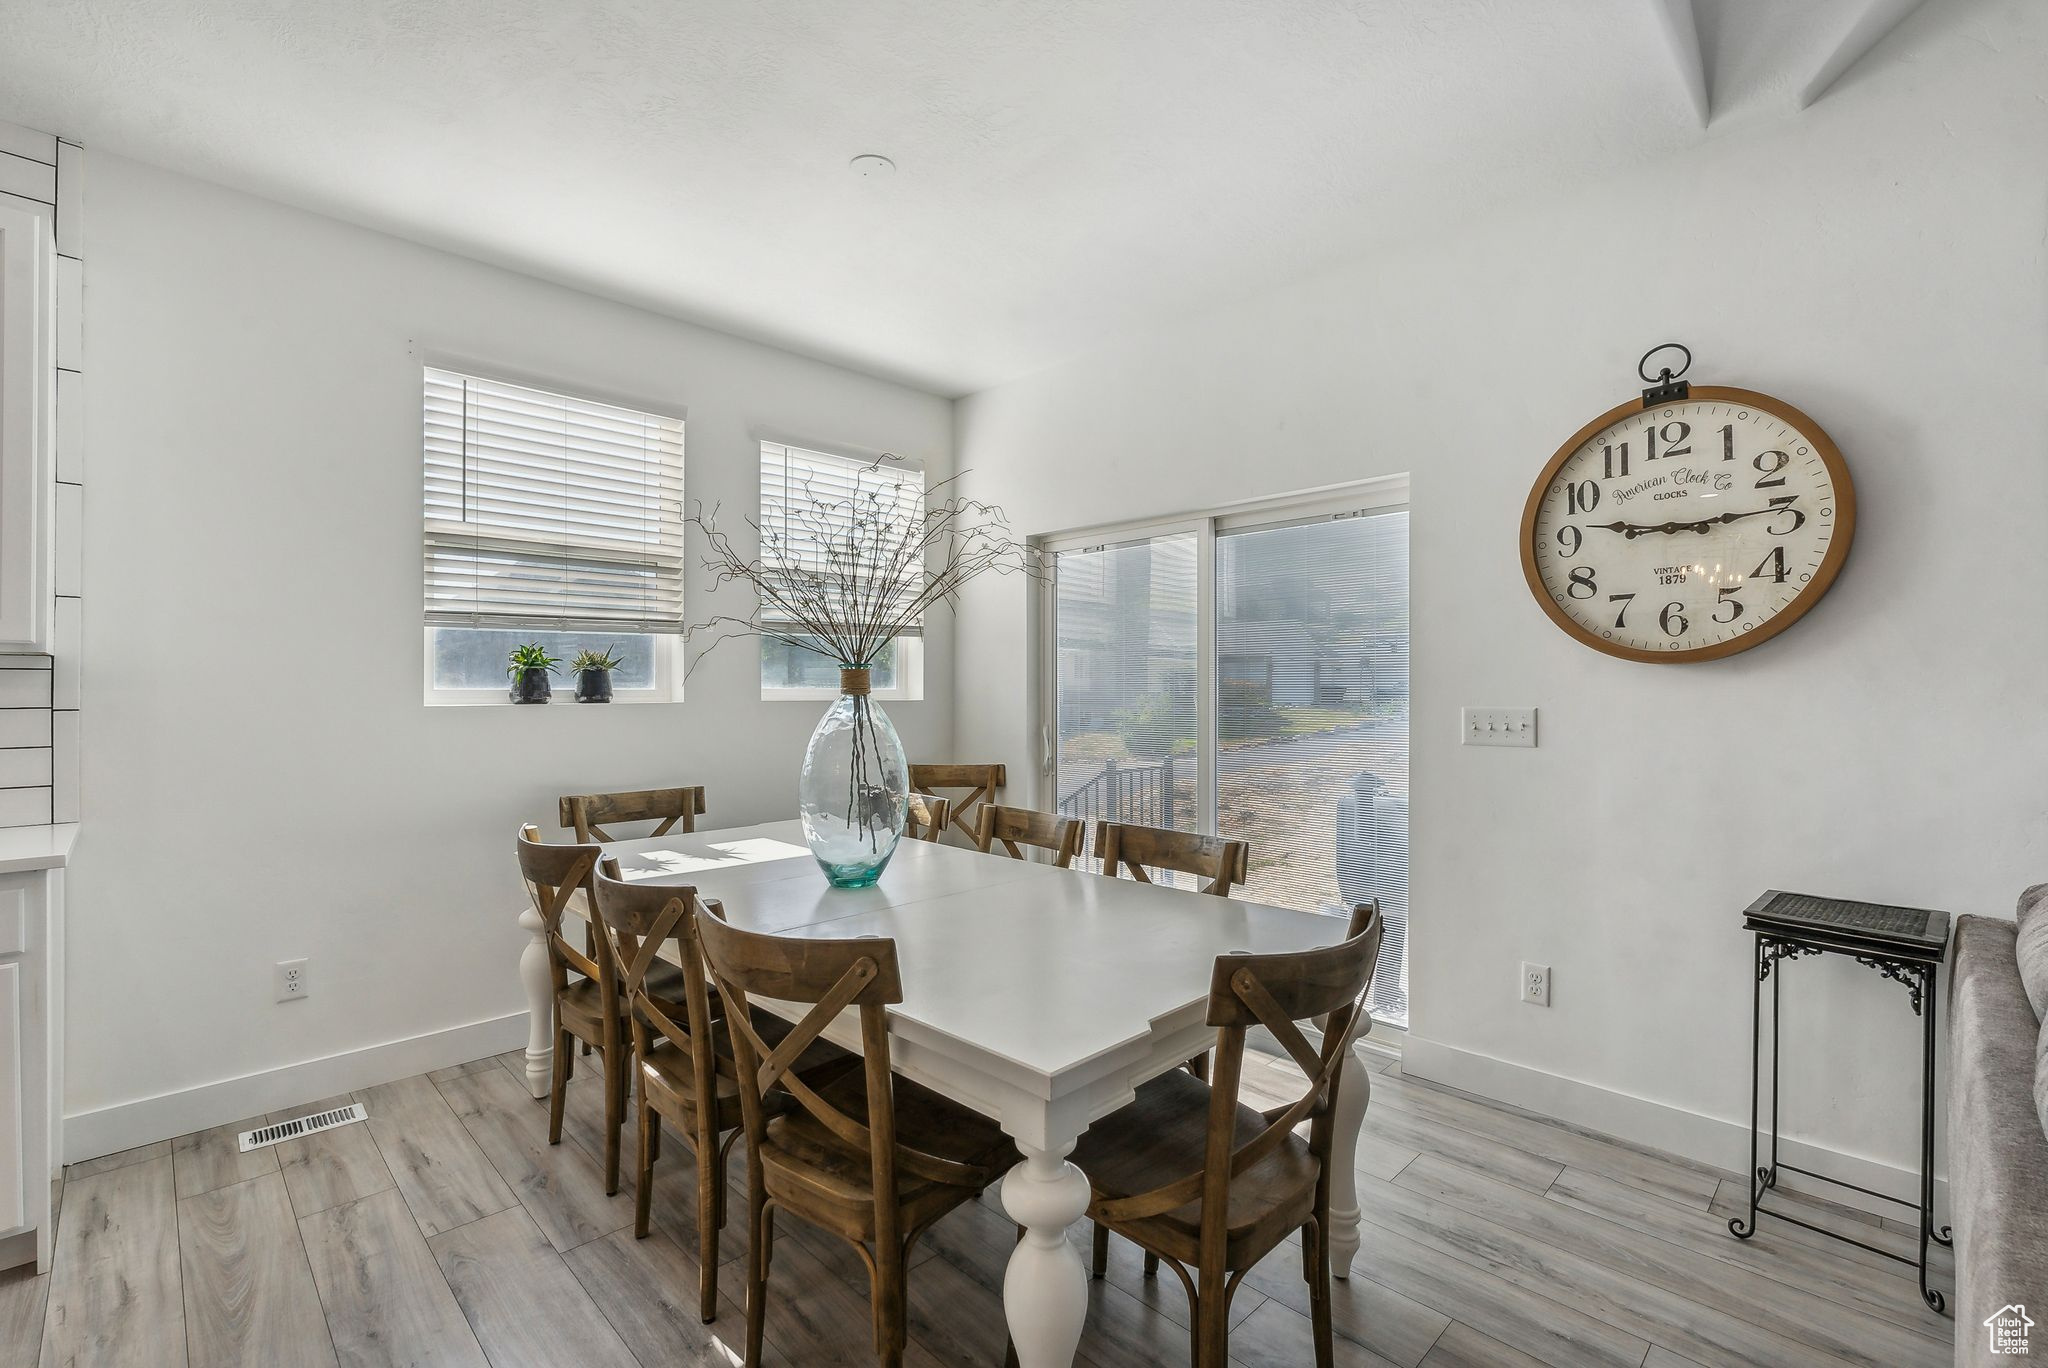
(1689,523)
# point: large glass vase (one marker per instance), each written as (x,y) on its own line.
(855,789)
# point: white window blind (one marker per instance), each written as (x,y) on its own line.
(548,511)
(835,517)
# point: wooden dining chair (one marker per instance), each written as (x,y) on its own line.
(965,786)
(1211,1186)
(666,808)
(1124,847)
(1127,847)
(927,817)
(871,1158)
(1015,828)
(682,1053)
(588,1005)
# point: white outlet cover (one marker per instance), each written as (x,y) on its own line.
(1497,727)
(289,980)
(1536,984)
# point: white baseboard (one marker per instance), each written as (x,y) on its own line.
(1715,1141)
(108,1130)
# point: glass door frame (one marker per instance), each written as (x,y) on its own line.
(1384,494)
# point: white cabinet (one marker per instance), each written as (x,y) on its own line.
(28,404)
(13,1117)
(31,1008)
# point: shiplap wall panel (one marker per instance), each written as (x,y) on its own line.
(25,767)
(67,635)
(64,783)
(30,179)
(70,427)
(17,141)
(24,727)
(70,200)
(24,688)
(24,807)
(39,694)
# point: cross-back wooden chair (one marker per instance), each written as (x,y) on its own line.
(588,1004)
(583,813)
(1125,847)
(871,1158)
(966,787)
(682,1052)
(928,817)
(1014,828)
(1211,1186)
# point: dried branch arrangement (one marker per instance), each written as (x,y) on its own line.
(846,571)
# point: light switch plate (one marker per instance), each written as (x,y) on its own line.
(1498,726)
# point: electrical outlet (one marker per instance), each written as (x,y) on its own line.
(1497,727)
(1536,983)
(290,981)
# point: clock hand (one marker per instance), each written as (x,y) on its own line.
(1634,530)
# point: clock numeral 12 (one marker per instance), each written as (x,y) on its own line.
(1675,444)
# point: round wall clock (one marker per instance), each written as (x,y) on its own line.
(1688,524)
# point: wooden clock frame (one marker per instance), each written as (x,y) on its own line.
(1823,578)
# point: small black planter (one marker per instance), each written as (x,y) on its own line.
(531,686)
(593,686)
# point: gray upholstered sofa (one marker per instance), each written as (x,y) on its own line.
(1998,1150)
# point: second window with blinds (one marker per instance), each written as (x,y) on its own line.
(805,497)
(553,519)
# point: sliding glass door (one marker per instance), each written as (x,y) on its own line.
(1247,674)
(1127,674)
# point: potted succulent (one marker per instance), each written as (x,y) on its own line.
(531,665)
(594,675)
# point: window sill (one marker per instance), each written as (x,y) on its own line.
(460,699)
(828,695)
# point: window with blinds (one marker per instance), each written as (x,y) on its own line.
(549,513)
(817,507)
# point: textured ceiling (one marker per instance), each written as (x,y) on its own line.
(1068,171)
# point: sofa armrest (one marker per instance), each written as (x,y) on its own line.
(1998,1155)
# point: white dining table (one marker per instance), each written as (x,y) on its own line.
(1038,996)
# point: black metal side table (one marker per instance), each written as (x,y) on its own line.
(1902,943)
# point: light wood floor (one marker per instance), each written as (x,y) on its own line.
(447,1231)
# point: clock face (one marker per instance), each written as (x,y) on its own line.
(1689,530)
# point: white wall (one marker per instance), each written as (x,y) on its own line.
(1877,261)
(262,780)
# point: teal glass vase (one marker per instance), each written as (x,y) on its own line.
(855,788)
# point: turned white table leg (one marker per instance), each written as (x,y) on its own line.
(1354,1090)
(540,1004)
(1045,1289)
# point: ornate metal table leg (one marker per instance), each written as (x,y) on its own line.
(1737,1226)
(1942,1234)
(1925,1006)
(1779,954)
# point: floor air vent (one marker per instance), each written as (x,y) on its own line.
(302,1125)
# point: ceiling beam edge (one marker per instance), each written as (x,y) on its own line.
(1682,36)
(1867,32)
